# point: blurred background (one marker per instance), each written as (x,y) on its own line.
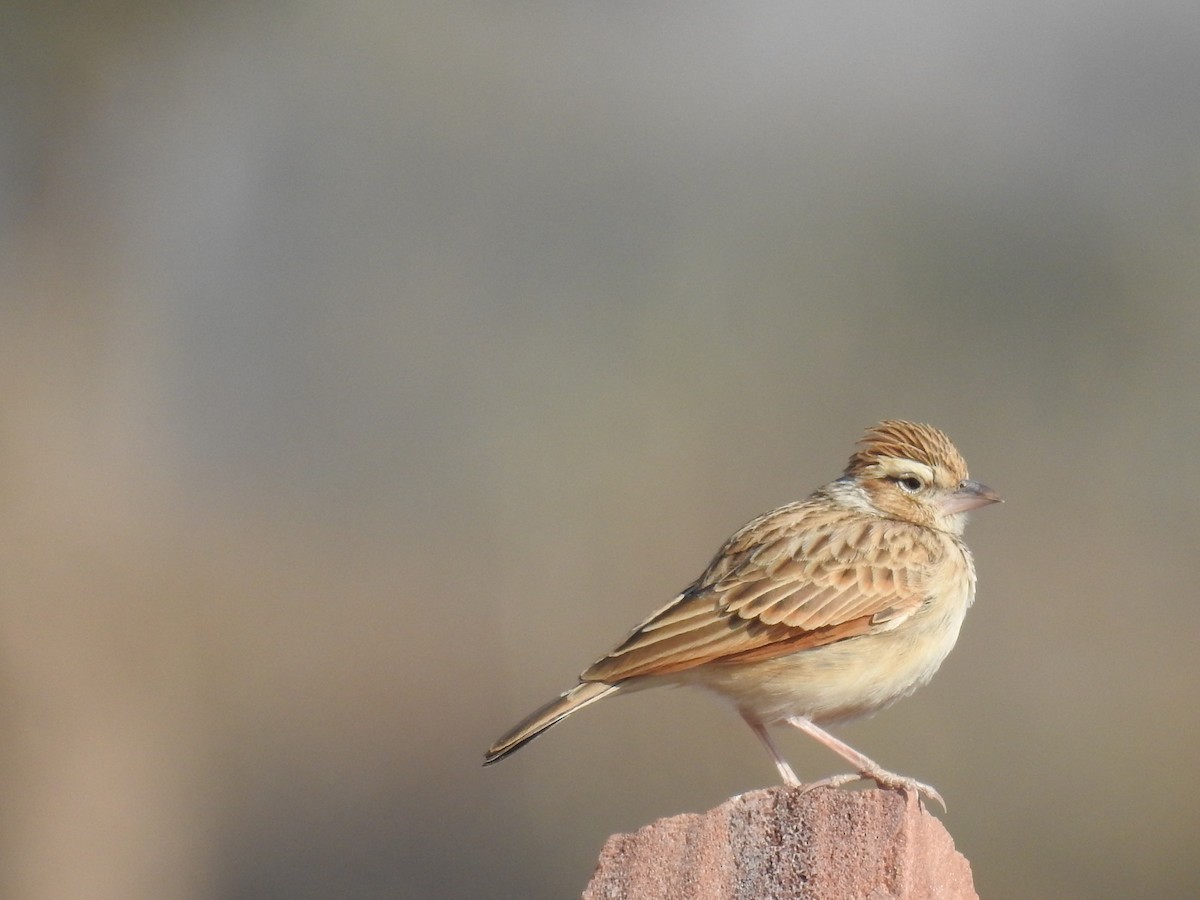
(368,369)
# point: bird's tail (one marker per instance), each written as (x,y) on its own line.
(538,721)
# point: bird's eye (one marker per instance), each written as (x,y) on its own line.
(910,483)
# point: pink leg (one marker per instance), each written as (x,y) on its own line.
(867,767)
(789,777)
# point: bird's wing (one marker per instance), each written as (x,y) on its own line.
(800,577)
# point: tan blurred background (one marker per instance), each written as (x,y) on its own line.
(367,369)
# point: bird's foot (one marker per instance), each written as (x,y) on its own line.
(883,778)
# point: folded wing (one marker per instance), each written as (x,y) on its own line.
(799,577)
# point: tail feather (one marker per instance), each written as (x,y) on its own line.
(538,721)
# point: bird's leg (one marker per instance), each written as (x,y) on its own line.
(789,777)
(867,768)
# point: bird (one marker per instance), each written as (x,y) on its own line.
(818,612)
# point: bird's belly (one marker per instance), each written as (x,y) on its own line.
(839,681)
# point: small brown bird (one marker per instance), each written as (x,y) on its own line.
(817,612)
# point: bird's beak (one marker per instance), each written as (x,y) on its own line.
(970,495)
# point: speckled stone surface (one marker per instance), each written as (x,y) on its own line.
(781,843)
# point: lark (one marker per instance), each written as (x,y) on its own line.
(818,612)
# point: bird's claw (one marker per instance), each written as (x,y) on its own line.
(883,778)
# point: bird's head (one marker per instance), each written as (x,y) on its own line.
(914,473)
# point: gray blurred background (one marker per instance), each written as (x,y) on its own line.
(368,369)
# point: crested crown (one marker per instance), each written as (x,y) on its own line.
(896,439)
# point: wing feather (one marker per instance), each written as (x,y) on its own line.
(802,576)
